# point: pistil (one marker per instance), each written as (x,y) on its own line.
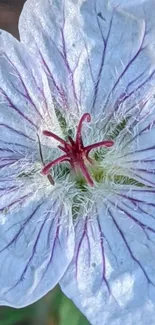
(75,152)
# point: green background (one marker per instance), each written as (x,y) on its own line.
(53,309)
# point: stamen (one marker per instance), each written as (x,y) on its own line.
(50,178)
(45,170)
(62,148)
(106,143)
(86,173)
(88,158)
(71,141)
(87,117)
(75,152)
(56,137)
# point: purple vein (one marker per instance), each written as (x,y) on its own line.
(84,234)
(31,257)
(16,131)
(27,96)
(127,66)
(25,223)
(101,65)
(128,247)
(137,221)
(15,108)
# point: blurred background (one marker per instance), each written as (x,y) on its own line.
(54,308)
(9,14)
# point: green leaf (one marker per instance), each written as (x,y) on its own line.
(69,314)
(10,316)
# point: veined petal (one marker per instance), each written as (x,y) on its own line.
(139,8)
(102,57)
(26,107)
(53,35)
(136,150)
(25,101)
(114,259)
(122,48)
(36,246)
(20,84)
(36,235)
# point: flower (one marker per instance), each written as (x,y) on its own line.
(80,81)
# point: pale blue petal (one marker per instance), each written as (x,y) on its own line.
(36,246)
(36,235)
(51,31)
(21,89)
(96,57)
(26,106)
(139,8)
(137,147)
(112,276)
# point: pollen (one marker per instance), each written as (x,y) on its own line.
(75,153)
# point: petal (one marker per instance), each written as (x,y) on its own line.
(114,259)
(136,150)
(102,57)
(36,235)
(135,7)
(20,84)
(53,35)
(25,96)
(36,246)
(26,106)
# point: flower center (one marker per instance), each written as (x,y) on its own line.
(75,153)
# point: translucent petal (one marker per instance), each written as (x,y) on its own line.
(36,246)
(102,57)
(112,276)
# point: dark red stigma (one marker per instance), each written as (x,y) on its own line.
(75,152)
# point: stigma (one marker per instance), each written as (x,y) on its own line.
(74,151)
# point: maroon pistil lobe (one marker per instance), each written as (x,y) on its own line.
(75,152)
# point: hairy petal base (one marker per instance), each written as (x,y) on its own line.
(137,154)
